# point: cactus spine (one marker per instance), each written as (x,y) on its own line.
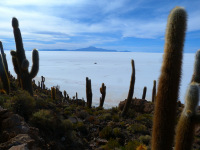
(196,72)
(103,95)
(186,125)
(144,92)
(154,91)
(168,86)
(88,92)
(131,90)
(3,71)
(22,63)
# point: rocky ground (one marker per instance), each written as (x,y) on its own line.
(40,123)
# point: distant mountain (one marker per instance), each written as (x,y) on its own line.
(94,49)
(88,49)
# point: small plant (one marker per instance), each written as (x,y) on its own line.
(22,103)
(44,120)
(145,139)
(111,145)
(106,132)
(132,145)
(137,128)
(141,147)
(117,132)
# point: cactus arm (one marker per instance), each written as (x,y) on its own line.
(18,40)
(4,57)
(35,66)
(4,76)
(196,72)
(131,90)
(186,124)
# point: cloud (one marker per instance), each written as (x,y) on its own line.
(50,21)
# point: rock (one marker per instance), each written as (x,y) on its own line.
(101,141)
(15,123)
(139,105)
(17,140)
(19,147)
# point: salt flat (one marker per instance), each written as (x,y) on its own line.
(69,70)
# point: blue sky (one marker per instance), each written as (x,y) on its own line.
(134,25)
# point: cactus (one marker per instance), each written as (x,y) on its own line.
(168,86)
(144,92)
(154,91)
(65,94)
(103,93)
(131,90)
(22,63)
(196,72)
(141,147)
(42,82)
(186,125)
(3,55)
(4,76)
(88,92)
(38,83)
(53,93)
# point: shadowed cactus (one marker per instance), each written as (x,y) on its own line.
(186,124)
(196,72)
(3,55)
(154,91)
(144,92)
(103,95)
(3,71)
(131,90)
(89,92)
(42,82)
(53,93)
(20,62)
(168,86)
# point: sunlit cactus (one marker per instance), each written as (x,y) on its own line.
(196,72)
(169,81)
(186,124)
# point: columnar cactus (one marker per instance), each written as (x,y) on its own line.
(154,91)
(131,90)
(186,124)
(103,95)
(89,92)
(42,82)
(65,94)
(53,93)
(3,55)
(144,92)
(196,72)
(169,81)
(4,76)
(19,57)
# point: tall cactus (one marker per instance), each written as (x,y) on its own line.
(168,86)
(19,57)
(144,92)
(154,91)
(3,74)
(42,82)
(103,95)
(53,93)
(89,92)
(3,55)
(131,90)
(196,72)
(186,125)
